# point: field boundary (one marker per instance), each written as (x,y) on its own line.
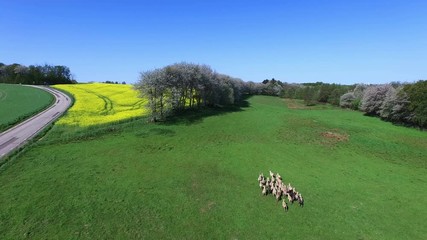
(25,138)
(25,117)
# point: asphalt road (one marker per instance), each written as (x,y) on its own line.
(18,135)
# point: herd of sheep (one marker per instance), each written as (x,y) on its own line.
(274,185)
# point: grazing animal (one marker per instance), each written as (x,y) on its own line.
(264,190)
(271,174)
(260,177)
(284,205)
(291,197)
(272,185)
(279,191)
(284,188)
(300,200)
(278,195)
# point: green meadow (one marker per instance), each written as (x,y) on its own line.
(195,177)
(18,102)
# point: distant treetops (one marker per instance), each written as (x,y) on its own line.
(35,74)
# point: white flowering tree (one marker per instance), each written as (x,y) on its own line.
(373,98)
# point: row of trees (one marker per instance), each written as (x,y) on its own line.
(186,85)
(35,74)
(112,82)
(395,102)
(311,93)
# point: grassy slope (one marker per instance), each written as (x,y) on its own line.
(18,102)
(197,179)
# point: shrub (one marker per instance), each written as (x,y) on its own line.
(346,100)
(373,98)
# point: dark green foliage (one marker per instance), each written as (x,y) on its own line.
(35,75)
(355,105)
(310,95)
(313,93)
(417,94)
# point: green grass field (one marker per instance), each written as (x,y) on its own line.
(19,102)
(195,177)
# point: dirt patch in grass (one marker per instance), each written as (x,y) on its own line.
(297,104)
(207,207)
(334,136)
(294,104)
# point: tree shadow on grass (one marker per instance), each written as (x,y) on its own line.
(155,131)
(194,116)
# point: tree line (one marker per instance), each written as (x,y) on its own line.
(185,85)
(310,93)
(403,103)
(35,74)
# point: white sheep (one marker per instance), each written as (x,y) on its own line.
(300,200)
(290,198)
(278,195)
(264,190)
(260,177)
(271,173)
(284,205)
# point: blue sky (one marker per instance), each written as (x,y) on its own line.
(334,41)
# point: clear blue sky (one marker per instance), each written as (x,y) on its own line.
(335,41)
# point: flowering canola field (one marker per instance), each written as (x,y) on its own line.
(99,103)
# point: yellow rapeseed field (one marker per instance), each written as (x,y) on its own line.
(98,103)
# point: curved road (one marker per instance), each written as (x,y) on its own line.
(18,135)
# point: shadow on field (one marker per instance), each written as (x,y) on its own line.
(156,131)
(193,116)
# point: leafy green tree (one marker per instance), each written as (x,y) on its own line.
(310,95)
(417,94)
(38,75)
